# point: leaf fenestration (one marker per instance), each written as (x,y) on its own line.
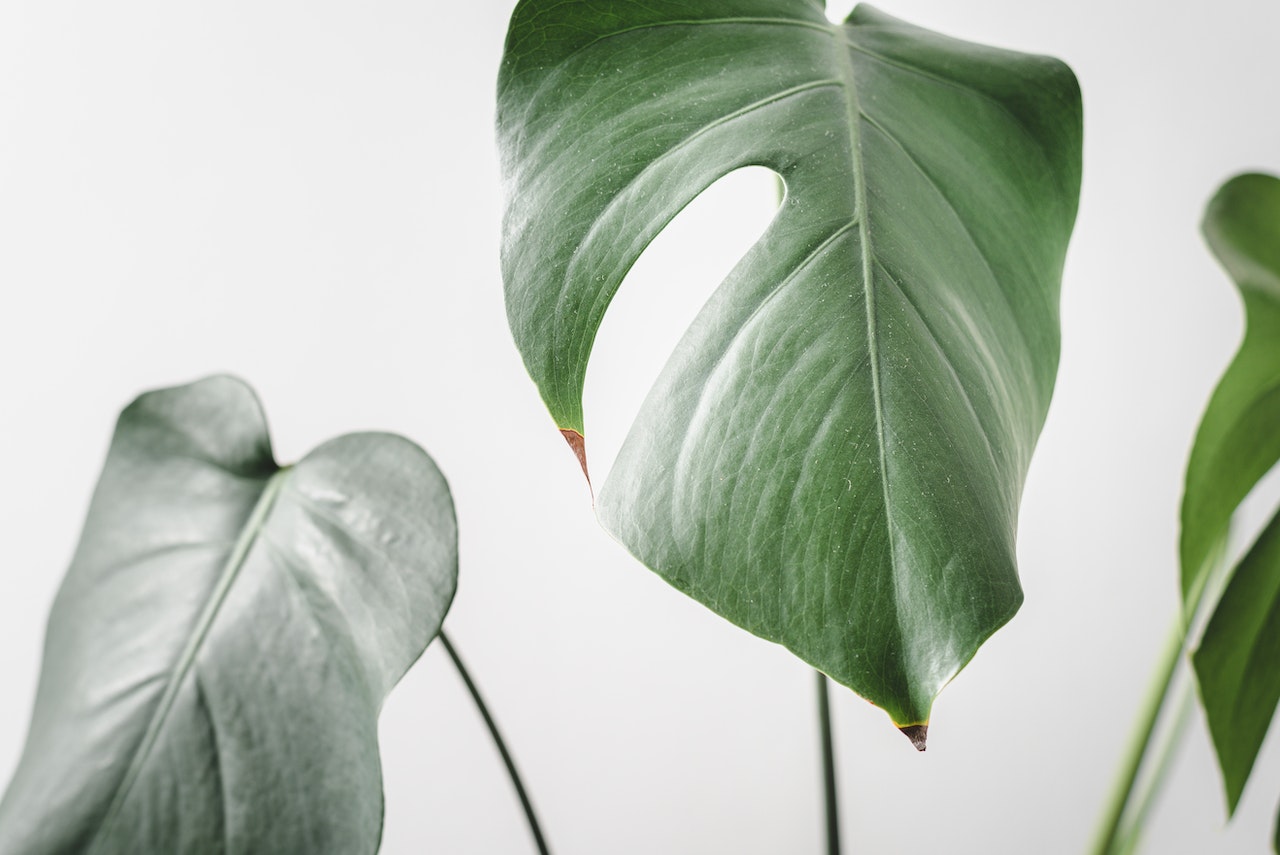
(834,454)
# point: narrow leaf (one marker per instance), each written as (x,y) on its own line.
(1237,443)
(221,646)
(1237,662)
(834,455)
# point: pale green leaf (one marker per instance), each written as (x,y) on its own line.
(221,646)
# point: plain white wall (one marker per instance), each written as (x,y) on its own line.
(307,195)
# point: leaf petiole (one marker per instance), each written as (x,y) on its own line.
(525,803)
(828,766)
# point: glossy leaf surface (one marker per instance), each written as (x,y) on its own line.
(221,646)
(834,455)
(1237,443)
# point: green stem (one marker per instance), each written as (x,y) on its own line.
(1132,830)
(1123,823)
(1156,697)
(529,815)
(828,766)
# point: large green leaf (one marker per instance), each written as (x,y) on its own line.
(833,456)
(1239,437)
(222,644)
(1238,442)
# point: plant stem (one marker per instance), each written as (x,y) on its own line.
(1117,836)
(529,815)
(1156,696)
(828,766)
(1132,830)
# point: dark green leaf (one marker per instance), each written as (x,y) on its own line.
(223,641)
(1239,438)
(1238,662)
(1238,442)
(834,455)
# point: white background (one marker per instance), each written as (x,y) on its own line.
(307,195)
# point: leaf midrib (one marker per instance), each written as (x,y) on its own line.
(253,527)
(846,80)
(853,112)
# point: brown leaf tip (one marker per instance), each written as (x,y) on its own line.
(917,733)
(579,446)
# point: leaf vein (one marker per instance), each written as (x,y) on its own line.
(186,660)
(964,228)
(954,85)
(946,361)
(605,295)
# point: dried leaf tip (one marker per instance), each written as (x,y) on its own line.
(917,733)
(579,446)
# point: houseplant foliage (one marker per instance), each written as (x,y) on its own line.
(1234,611)
(1238,442)
(833,456)
(221,646)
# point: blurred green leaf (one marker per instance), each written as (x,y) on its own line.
(1238,442)
(219,651)
(834,455)
(1238,661)
(1239,437)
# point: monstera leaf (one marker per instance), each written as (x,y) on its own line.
(1238,442)
(834,455)
(223,641)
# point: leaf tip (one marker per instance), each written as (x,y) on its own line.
(579,446)
(917,733)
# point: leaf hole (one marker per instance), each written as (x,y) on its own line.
(838,10)
(661,294)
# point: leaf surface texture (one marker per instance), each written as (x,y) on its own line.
(223,641)
(834,454)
